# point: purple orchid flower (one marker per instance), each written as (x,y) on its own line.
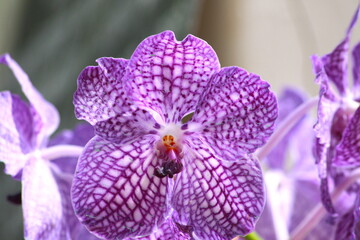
(146,162)
(337,129)
(291,179)
(24,135)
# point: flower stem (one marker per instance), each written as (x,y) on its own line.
(59,151)
(253,236)
(318,212)
(250,236)
(285,126)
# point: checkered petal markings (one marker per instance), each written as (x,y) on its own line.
(48,114)
(219,199)
(347,151)
(168,76)
(167,231)
(336,62)
(16,132)
(42,204)
(356,71)
(127,127)
(100,94)
(236,113)
(115,193)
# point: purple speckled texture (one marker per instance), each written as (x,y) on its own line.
(336,62)
(169,230)
(356,71)
(168,76)
(144,163)
(236,110)
(115,192)
(348,150)
(345,228)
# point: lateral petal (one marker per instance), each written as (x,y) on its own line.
(115,193)
(218,199)
(236,113)
(100,94)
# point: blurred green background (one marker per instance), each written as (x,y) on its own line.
(53,40)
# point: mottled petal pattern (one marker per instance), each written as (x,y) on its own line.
(167,76)
(15,137)
(347,152)
(336,62)
(41,200)
(167,231)
(218,199)
(356,71)
(115,193)
(99,95)
(325,196)
(345,227)
(48,114)
(236,113)
(335,65)
(124,128)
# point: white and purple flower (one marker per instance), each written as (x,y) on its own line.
(25,129)
(338,126)
(150,159)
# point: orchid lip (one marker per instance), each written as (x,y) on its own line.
(171,153)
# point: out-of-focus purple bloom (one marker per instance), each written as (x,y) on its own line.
(145,162)
(337,130)
(291,179)
(24,134)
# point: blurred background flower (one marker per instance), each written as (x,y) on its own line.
(54,40)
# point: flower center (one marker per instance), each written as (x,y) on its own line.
(171,153)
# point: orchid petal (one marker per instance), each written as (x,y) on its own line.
(345,226)
(100,95)
(218,199)
(167,76)
(335,65)
(336,62)
(48,114)
(124,128)
(167,231)
(288,101)
(347,151)
(326,197)
(115,193)
(41,200)
(16,132)
(236,113)
(80,135)
(328,104)
(70,222)
(356,71)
